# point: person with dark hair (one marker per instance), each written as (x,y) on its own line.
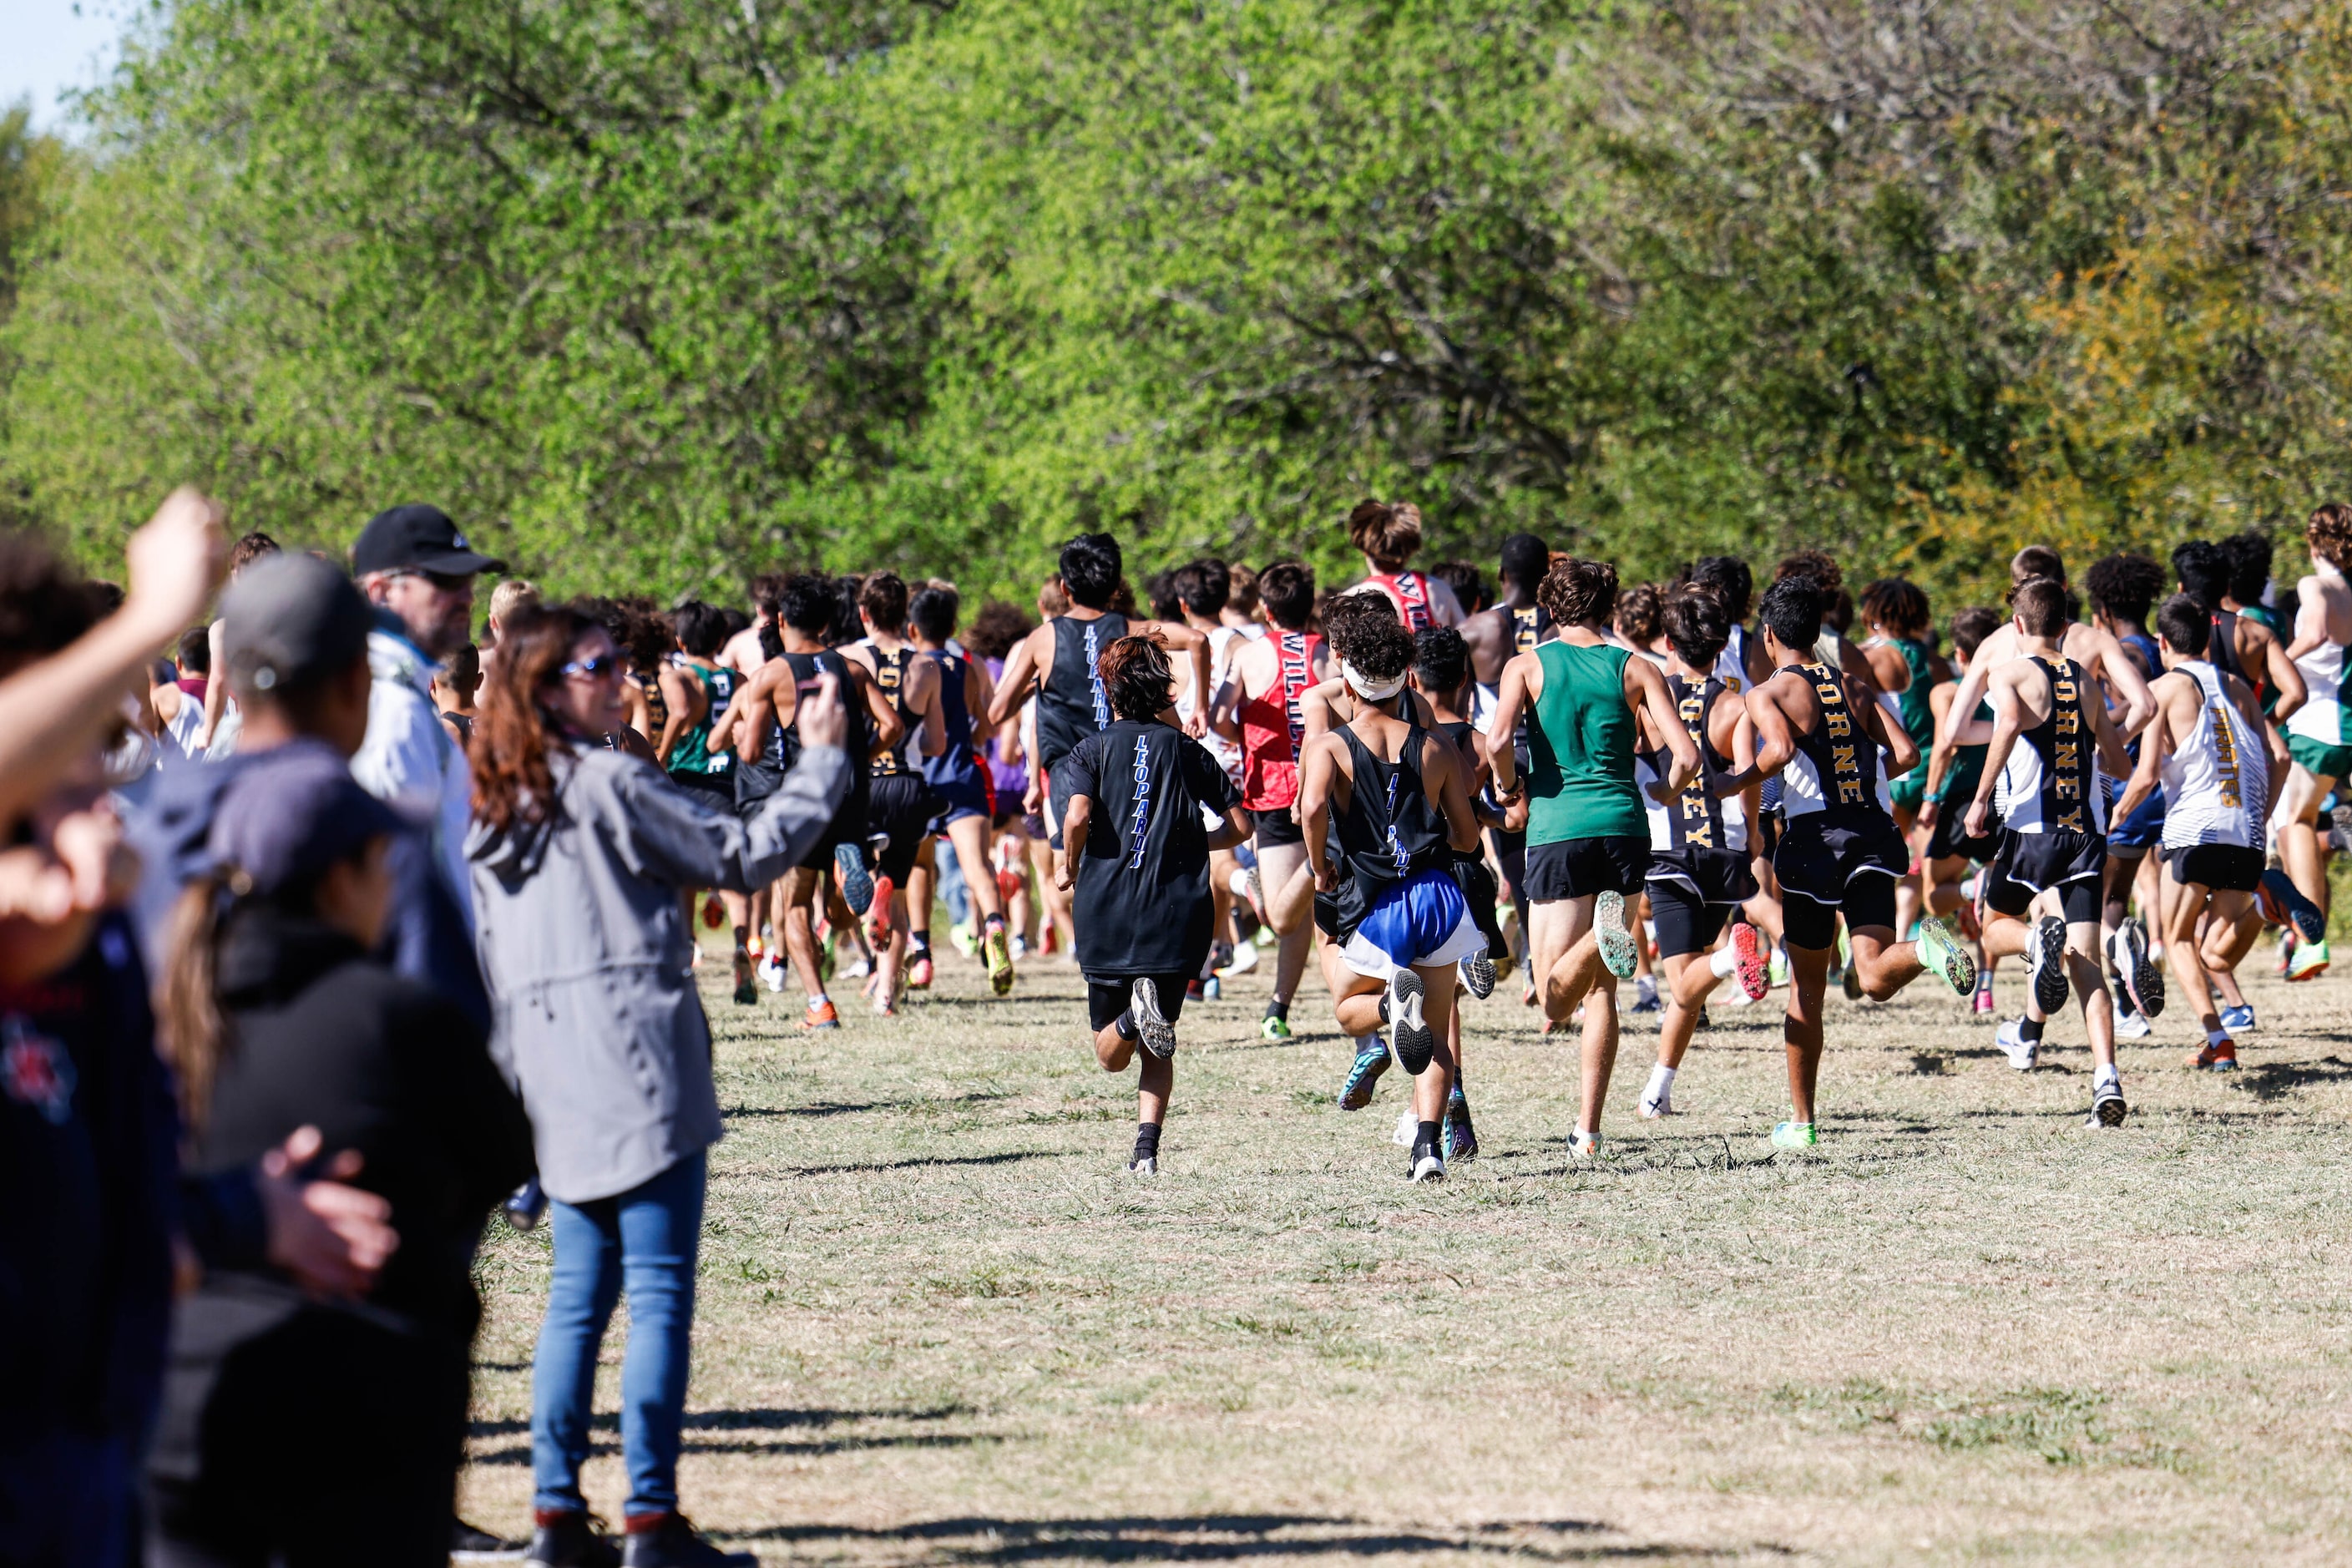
(1396,808)
(1135,855)
(846,627)
(1202,589)
(2240,645)
(1588,832)
(767,741)
(2249,554)
(178,704)
(747,649)
(696,690)
(1469,587)
(1904,668)
(1240,601)
(901,805)
(1741,665)
(988,641)
(958,781)
(1060,662)
(2221,769)
(453,691)
(2052,835)
(2120,589)
(1950,850)
(1261,709)
(1388,535)
(2318,734)
(276,1018)
(1840,854)
(1515,624)
(1699,874)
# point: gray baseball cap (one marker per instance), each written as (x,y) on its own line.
(289,618)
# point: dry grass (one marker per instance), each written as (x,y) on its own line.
(939,1323)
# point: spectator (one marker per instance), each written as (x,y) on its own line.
(578,855)
(220,720)
(179,704)
(453,692)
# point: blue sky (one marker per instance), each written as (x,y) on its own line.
(49,46)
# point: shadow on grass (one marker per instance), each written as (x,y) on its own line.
(860,1107)
(698,1422)
(920,1161)
(2276,1081)
(1211,1538)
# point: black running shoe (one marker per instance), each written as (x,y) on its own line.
(2045,961)
(1428,1165)
(572,1541)
(470,1544)
(2107,1107)
(674,1543)
(1143,1006)
(1409,1036)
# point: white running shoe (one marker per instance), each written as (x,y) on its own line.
(2022,1052)
(1244,959)
(772,970)
(2131,1027)
(857,969)
(1663,1105)
(1407,1130)
(1584,1145)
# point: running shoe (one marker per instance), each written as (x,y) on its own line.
(2107,1107)
(1019,947)
(1274,1026)
(1364,1073)
(1616,942)
(1850,983)
(1008,885)
(998,956)
(966,940)
(1147,1166)
(1940,952)
(771,973)
(2283,901)
(2239,1020)
(1461,1141)
(1428,1165)
(1793,1135)
(1646,997)
(1478,974)
(2131,1026)
(918,971)
(1984,1004)
(1583,1146)
(1407,1130)
(1409,1036)
(2309,963)
(858,968)
(1243,959)
(2142,976)
(714,910)
(1755,970)
(857,887)
(1504,963)
(1778,970)
(2045,965)
(879,891)
(1661,1104)
(821,1016)
(1143,1006)
(2022,1052)
(571,1538)
(2340,828)
(1964,922)
(2219,1056)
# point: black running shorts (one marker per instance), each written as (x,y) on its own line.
(1108,996)
(2224,868)
(1824,870)
(1582,868)
(900,807)
(2026,863)
(1275,828)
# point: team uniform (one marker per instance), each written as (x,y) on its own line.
(1274,732)
(2318,735)
(1912,709)
(2143,828)
(692,762)
(2216,784)
(2053,814)
(959,783)
(1071,702)
(1397,905)
(1141,903)
(1950,836)
(1841,850)
(1409,592)
(900,806)
(1587,831)
(1699,870)
(755,781)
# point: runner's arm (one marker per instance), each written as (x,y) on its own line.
(1453,800)
(2122,671)
(2291,692)
(978,693)
(926,702)
(1902,751)
(889,728)
(2112,756)
(1020,674)
(1650,694)
(1510,699)
(2153,742)
(1235,829)
(1076,817)
(2310,618)
(1314,777)
(1776,741)
(683,703)
(2007,722)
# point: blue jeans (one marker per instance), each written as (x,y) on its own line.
(643,1241)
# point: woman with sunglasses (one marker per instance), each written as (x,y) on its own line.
(579,852)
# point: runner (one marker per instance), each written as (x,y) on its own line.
(1951,851)
(1200,590)
(2220,766)
(1387,533)
(958,778)
(1699,873)
(2241,645)
(1905,668)
(1260,709)
(695,694)
(767,742)
(2319,738)
(1839,853)
(1588,832)
(2122,587)
(1136,856)
(899,808)
(2054,837)
(1514,627)
(1385,810)
(747,650)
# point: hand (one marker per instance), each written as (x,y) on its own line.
(332,1238)
(1326,876)
(1032,799)
(1925,817)
(176,562)
(101,869)
(823,721)
(1975,820)
(1514,816)
(1062,877)
(1197,725)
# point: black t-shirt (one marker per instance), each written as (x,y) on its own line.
(1142,903)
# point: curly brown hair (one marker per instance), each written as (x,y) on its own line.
(1137,676)
(1387,532)
(1641,613)
(513,782)
(1578,592)
(1827,575)
(996,628)
(2330,534)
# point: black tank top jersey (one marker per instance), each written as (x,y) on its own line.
(1694,818)
(1840,757)
(2069,754)
(1141,903)
(1071,702)
(890,674)
(1528,627)
(784,741)
(1390,832)
(2221,652)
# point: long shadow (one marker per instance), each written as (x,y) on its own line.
(758,1419)
(842,1108)
(520,1453)
(1214,1538)
(920,1161)
(2276,1081)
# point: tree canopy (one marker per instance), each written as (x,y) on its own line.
(655,295)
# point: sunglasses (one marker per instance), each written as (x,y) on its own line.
(595,669)
(445,582)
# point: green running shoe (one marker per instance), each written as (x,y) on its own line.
(1272,1028)
(1940,952)
(1793,1135)
(1616,942)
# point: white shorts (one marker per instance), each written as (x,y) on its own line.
(1362,957)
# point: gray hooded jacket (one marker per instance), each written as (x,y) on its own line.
(585,944)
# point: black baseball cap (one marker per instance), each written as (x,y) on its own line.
(417,538)
(290,813)
(287,618)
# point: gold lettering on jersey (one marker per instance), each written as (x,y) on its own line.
(1698,828)
(2225,756)
(1838,724)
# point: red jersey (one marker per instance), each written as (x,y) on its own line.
(1409,592)
(1274,726)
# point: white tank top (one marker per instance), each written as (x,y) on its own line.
(2321,716)
(1731,663)
(2216,780)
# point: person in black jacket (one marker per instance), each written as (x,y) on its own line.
(295,1429)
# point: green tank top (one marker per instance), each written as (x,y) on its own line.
(1581,749)
(1968,767)
(692,753)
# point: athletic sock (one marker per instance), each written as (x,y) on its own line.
(817,999)
(1125,1025)
(1984,981)
(1384,1008)
(1147,1140)
(1428,1134)
(1278,1008)
(2215,1036)
(2102,1077)
(2029,1029)
(1662,1080)
(1722,962)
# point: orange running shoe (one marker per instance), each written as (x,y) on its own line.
(2222,1056)
(714,912)
(878,914)
(821,1016)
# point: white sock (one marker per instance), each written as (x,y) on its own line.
(2215,1036)
(1662,1081)
(818,998)
(1722,962)
(2102,1077)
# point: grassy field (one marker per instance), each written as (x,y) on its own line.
(940,1324)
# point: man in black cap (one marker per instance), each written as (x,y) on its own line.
(418,571)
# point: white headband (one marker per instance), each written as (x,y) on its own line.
(1370,691)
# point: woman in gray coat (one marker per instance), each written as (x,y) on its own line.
(578,854)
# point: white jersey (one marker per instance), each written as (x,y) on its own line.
(1731,663)
(2321,716)
(2217,779)
(1221,649)
(186,722)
